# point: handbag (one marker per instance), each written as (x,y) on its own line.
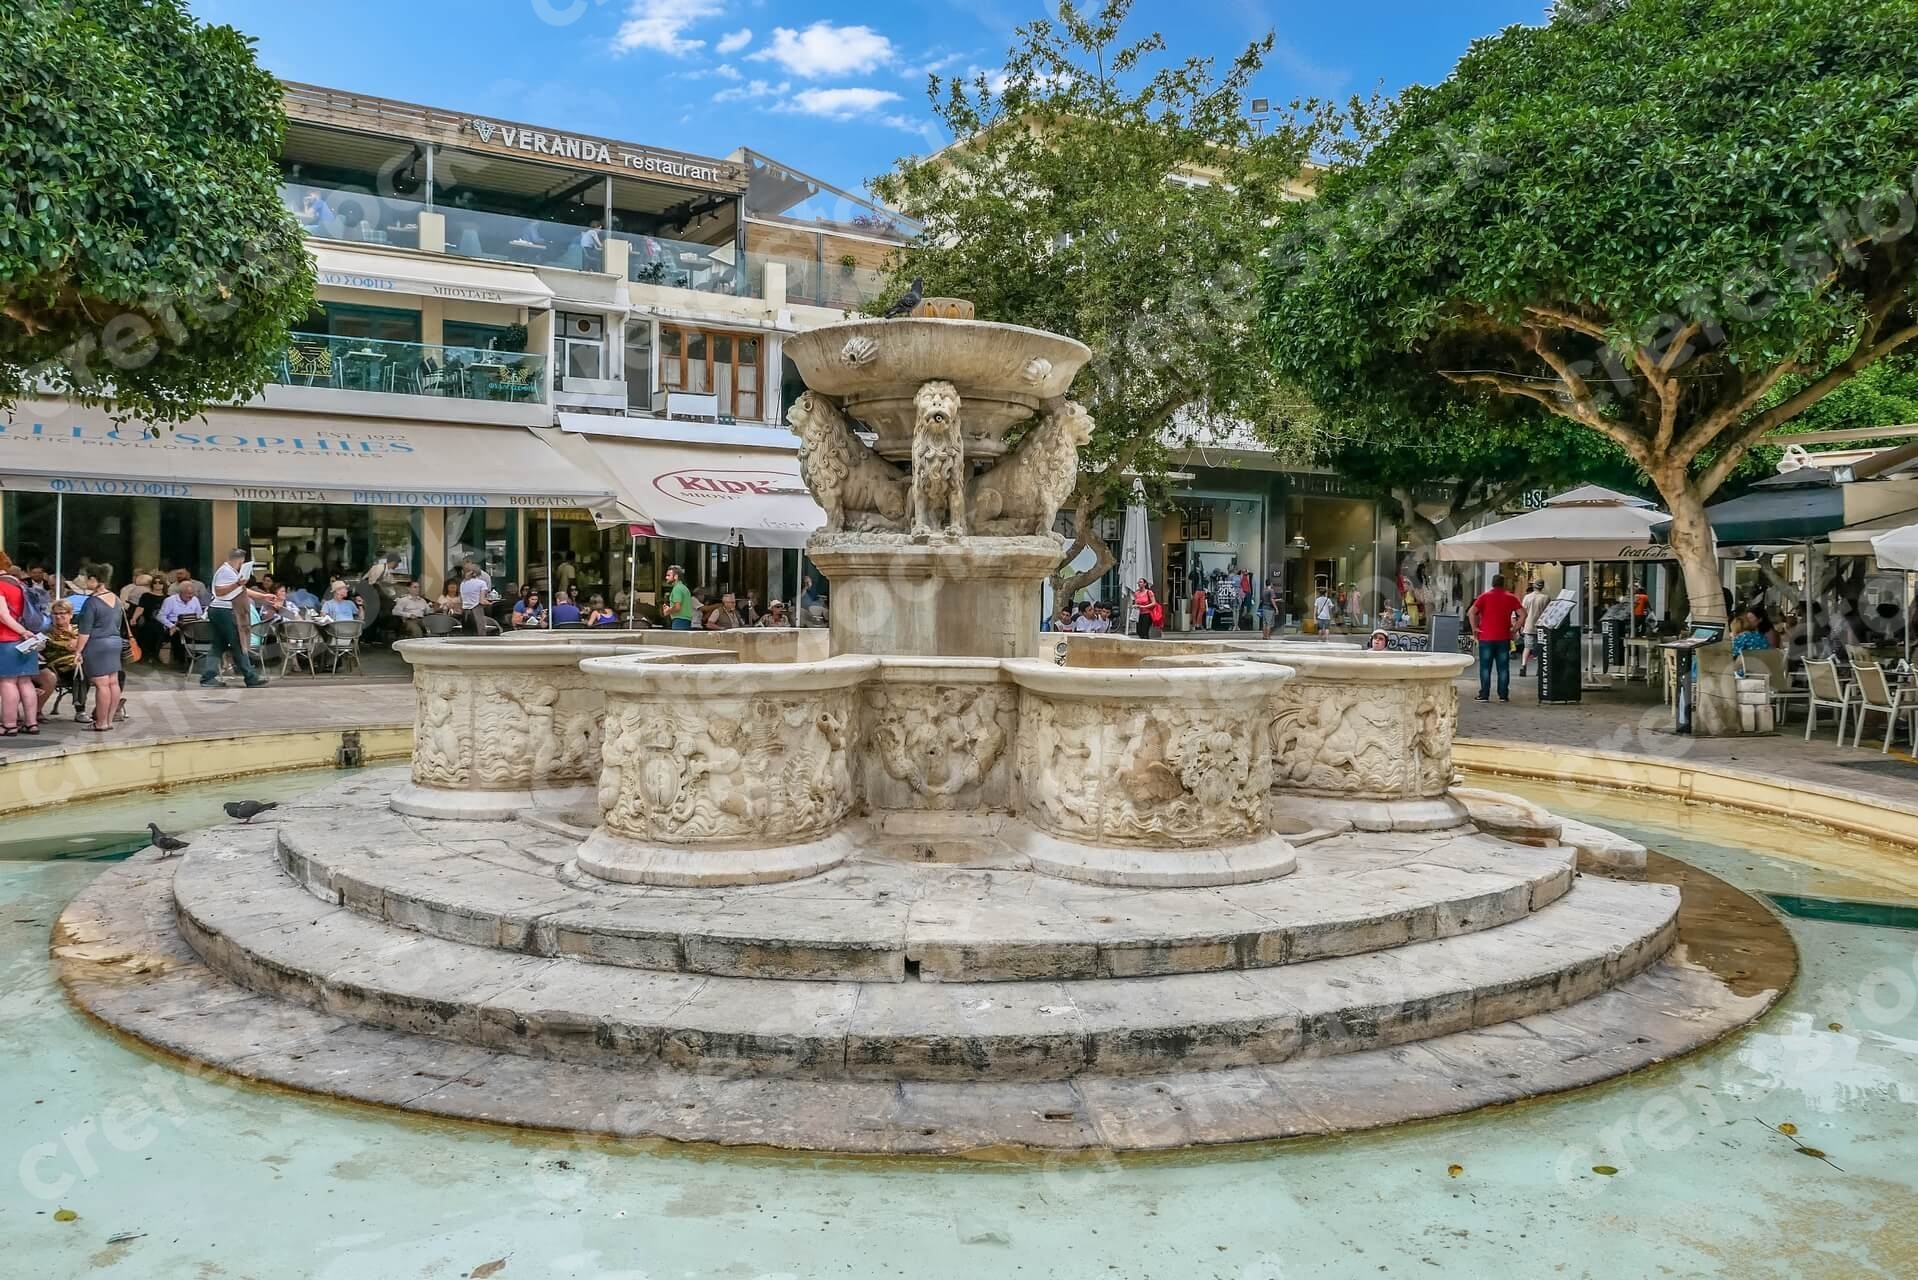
(129,647)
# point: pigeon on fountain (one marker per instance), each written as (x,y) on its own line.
(166,844)
(247,810)
(909,300)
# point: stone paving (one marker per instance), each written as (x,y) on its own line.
(1631,718)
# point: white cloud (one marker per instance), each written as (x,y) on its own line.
(839,104)
(727,71)
(931,66)
(661,25)
(825,50)
(753,89)
(734,41)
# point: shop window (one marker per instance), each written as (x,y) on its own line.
(639,366)
(582,344)
(381,324)
(478,337)
(724,364)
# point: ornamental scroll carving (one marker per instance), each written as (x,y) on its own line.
(1387,741)
(505,730)
(768,769)
(1162,774)
(942,745)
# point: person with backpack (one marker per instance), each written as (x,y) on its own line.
(1150,613)
(22,623)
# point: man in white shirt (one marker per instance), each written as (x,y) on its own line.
(1533,605)
(473,589)
(181,605)
(229,591)
(1323,608)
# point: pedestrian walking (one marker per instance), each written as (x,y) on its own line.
(230,591)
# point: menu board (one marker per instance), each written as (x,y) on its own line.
(1558,612)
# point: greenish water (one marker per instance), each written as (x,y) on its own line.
(239,1182)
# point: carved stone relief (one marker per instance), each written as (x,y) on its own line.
(1155,774)
(938,746)
(505,730)
(1390,740)
(776,770)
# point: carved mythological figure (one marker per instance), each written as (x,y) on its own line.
(938,463)
(1163,775)
(941,742)
(1385,741)
(764,769)
(440,750)
(857,488)
(1022,494)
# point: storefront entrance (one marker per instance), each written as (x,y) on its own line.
(127,535)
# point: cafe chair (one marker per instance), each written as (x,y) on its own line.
(196,634)
(343,643)
(309,362)
(1827,690)
(1772,663)
(299,641)
(1876,696)
(440,624)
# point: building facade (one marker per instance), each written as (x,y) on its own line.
(555,353)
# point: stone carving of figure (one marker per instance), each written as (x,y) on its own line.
(858,489)
(939,742)
(1023,493)
(438,753)
(938,463)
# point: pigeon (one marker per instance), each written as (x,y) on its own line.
(166,844)
(247,810)
(911,299)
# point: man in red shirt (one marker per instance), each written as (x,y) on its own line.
(1491,616)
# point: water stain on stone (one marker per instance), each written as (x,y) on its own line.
(1726,930)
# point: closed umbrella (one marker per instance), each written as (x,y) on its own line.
(1135,552)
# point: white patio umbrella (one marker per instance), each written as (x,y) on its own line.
(1898,549)
(1135,552)
(1588,524)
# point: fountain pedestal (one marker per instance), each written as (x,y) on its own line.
(968,598)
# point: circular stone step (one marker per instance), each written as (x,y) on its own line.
(122,961)
(506,885)
(253,925)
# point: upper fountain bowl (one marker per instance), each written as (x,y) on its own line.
(1003,373)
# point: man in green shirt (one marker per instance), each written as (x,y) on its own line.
(679,601)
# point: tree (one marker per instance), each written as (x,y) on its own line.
(1094,194)
(146,260)
(1676,224)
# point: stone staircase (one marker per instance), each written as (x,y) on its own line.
(886,971)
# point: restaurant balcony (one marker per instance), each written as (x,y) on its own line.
(373,377)
(810,282)
(682,264)
(334,213)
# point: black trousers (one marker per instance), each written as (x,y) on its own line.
(226,639)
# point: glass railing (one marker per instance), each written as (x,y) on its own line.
(819,284)
(336,213)
(680,264)
(411,368)
(505,237)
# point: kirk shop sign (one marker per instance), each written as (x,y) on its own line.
(560,146)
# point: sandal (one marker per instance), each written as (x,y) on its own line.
(9,733)
(101,728)
(31,730)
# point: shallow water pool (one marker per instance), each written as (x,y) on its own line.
(196,1177)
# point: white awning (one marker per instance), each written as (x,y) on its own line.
(249,456)
(703,493)
(1860,539)
(1589,523)
(429,276)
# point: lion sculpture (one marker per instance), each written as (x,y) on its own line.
(938,463)
(1023,493)
(856,487)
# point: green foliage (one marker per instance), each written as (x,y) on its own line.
(1645,218)
(145,258)
(1109,193)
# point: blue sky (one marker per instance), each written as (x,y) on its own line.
(833,88)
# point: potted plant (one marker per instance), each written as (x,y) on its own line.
(513,339)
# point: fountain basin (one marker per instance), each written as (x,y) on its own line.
(1004,372)
(503,728)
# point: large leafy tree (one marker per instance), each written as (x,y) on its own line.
(146,261)
(1100,189)
(1675,224)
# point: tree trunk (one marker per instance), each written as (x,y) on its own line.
(1064,587)
(1691,541)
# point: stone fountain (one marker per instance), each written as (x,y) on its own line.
(933,883)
